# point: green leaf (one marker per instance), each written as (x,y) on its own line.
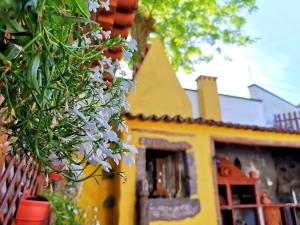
(32,72)
(7,4)
(82,7)
(4,60)
(12,51)
(12,26)
(186,24)
(63,20)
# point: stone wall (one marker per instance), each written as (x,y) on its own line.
(277,169)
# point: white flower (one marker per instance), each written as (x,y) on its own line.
(90,137)
(125,85)
(132,44)
(97,76)
(75,44)
(110,70)
(53,158)
(128,159)
(116,157)
(129,138)
(106,33)
(122,126)
(104,148)
(106,166)
(106,5)
(97,35)
(130,148)
(127,55)
(87,41)
(118,64)
(126,106)
(85,148)
(93,6)
(76,169)
(112,136)
(80,114)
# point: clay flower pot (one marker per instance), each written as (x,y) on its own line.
(124,19)
(113,55)
(122,31)
(106,21)
(54,175)
(127,5)
(32,211)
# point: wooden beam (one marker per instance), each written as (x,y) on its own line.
(255,142)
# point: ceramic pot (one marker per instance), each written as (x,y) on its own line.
(127,5)
(106,21)
(124,19)
(32,211)
(122,31)
(117,55)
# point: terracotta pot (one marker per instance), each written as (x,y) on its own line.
(127,5)
(124,19)
(122,31)
(106,21)
(54,175)
(32,211)
(117,55)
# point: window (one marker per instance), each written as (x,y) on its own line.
(167,174)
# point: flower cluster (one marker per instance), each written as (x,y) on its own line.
(63,100)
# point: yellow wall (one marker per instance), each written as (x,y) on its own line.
(157,89)
(93,194)
(201,145)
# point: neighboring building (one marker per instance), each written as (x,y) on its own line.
(258,110)
(197,171)
(272,104)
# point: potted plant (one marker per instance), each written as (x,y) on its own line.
(56,102)
(32,210)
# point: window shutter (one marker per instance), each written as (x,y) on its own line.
(191,173)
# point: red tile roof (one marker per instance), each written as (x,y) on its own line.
(180,119)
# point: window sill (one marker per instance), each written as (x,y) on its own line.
(173,209)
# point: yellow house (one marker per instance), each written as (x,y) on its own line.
(196,171)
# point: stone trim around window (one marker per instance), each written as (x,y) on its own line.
(172,209)
(169,209)
(157,143)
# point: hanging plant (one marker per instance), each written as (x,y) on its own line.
(59,107)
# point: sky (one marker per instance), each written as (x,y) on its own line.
(273,62)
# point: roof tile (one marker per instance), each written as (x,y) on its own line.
(180,119)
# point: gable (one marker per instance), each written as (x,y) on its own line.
(158,90)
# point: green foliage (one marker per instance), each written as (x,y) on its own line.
(185,26)
(54,103)
(65,209)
